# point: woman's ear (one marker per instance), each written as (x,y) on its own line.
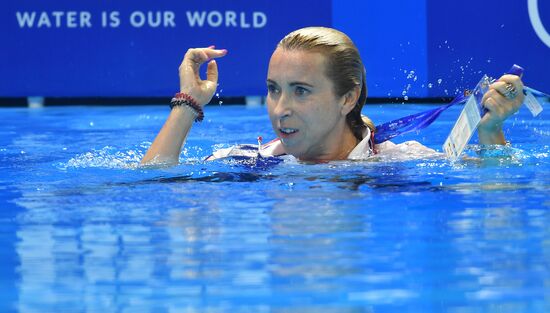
(350,100)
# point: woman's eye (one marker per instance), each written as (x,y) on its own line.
(271,89)
(301,91)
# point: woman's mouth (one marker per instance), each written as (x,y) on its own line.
(287,132)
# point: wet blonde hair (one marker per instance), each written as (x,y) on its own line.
(344,66)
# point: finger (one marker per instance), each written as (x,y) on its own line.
(215,53)
(499,111)
(510,78)
(514,80)
(500,87)
(500,106)
(212,72)
(495,102)
(492,93)
(195,57)
(490,103)
(511,88)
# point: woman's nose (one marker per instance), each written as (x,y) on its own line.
(283,107)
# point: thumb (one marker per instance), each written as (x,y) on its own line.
(212,72)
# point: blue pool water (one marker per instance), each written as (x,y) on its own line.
(84,229)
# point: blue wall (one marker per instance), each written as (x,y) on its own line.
(415,48)
(88,57)
(469,37)
(448,44)
(391,36)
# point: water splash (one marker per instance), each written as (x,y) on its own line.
(107,157)
(411,76)
(218,95)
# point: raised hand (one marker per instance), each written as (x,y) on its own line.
(190,81)
(503,99)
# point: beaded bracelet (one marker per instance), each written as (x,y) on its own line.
(184,99)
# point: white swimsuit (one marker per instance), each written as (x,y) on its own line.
(275,148)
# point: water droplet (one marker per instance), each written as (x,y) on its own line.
(406,98)
(91,123)
(220,102)
(439,81)
(430,85)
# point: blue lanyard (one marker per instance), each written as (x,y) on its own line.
(422,120)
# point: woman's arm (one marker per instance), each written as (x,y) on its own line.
(167,146)
(500,103)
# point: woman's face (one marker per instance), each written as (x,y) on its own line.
(305,113)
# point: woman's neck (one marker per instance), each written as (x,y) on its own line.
(349,142)
(343,147)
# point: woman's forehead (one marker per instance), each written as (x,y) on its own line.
(296,64)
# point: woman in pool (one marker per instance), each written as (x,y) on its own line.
(316,89)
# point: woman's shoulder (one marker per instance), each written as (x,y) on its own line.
(407,150)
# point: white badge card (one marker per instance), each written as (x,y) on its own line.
(467,122)
(463,130)
(532,104)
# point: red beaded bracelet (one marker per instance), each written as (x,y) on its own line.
(184,99)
